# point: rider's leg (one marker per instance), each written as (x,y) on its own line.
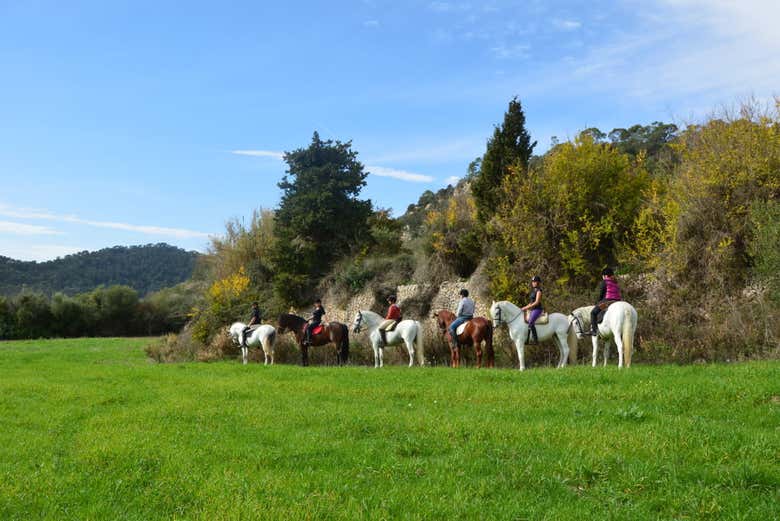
(594,326)
(535,314)
(453,330)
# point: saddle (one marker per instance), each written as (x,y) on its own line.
(603,309)
(544,318)
(317,329)
(461,328)
(391,327)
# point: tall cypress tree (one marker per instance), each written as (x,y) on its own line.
(510,146)
(320,217)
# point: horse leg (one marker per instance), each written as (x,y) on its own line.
(520,345)
(410,349)
(381,357)
(563,347)
(619,343)
(478,351)
(595,341)
(244,354)
(305,356)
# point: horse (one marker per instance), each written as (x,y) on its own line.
(475,331)
(557,328)
(332,332)
(410,332)
(263,337)
(619,324)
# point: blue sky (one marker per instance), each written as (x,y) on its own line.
(141,122)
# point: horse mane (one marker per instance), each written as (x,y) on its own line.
(285,318)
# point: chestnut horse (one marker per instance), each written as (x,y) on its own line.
(331,332)
(477,330)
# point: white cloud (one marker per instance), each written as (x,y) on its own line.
(179,233)
(516,51)
(399,174)
(259,153)
(455,149)
(452,180)
(26,229)
(36,252)
(566,25)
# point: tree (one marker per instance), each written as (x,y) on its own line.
(320,217)
(510,146)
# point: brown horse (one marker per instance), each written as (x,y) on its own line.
(478,330)
(332,332)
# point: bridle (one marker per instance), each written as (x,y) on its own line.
(576,320)
(497,320)
(358,322)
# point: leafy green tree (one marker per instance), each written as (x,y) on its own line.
(320,217)
(510,146)
(568,218)
(33,316)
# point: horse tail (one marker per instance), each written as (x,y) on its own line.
(489,342)
(572,340)
(629,328)
(344,344)
(269,341)
(418,344)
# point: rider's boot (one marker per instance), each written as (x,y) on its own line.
(534,339)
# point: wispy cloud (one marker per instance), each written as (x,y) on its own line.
(566,25)
(22,213)
(371,23)
(515,51)
(403,175)
(446,7)
(26,229)
(452,180)
(36,252)
(259,153)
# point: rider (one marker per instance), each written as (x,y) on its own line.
(609,292)
(392,318)
(253,321)
(535,306)
(464,312)
(313,321)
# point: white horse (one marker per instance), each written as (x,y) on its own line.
(557,328)
(619,324)
(410,332)
(264,337)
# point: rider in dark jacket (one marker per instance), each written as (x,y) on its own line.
(609,292)
(254,320)
(314,321)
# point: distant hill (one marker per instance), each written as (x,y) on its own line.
(145,268)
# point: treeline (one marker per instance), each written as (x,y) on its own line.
(144,268)
(689,217)
(104,311)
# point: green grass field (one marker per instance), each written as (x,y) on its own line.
(91,430)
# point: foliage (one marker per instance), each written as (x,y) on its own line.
(453,235)
(110,436)
(728,166)
(226,300)
(320,217)
(568,217)
(413,220)
(144,268)
(510,147)
(764,246)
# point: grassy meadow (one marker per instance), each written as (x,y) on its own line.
(92,430)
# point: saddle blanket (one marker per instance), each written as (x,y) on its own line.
(603,309)
(543,318)
(461,328)
(317,330)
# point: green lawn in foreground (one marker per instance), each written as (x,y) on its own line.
(91,430)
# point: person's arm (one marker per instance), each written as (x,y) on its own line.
(460,308)
(602,292)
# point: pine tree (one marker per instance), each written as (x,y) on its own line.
(510,146)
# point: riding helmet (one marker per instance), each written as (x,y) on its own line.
(392,298)
(464,292)
(607,271)
(536,278)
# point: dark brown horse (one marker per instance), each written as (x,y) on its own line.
(478,330)
(331,332)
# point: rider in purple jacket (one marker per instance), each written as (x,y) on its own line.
(609,292)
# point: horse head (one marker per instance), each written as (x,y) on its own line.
(495,314)
(357,324)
